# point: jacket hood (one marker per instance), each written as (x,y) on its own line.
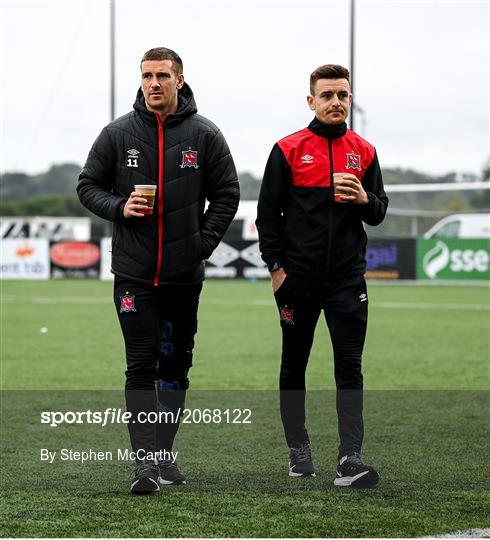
(186,106)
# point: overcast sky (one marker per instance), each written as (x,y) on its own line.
(421,73)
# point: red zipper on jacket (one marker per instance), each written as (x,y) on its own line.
(161,173)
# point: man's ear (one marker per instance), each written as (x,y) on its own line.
(311,102)
(180,80)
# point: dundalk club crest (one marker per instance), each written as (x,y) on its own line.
(127,303)
(353,161)
(189,159)
(286,315)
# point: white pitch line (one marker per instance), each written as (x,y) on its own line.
(13,299)
(423,305)
(382,305)
(71,300)
(471,533)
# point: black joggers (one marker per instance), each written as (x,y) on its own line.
(345,306)
(158,324)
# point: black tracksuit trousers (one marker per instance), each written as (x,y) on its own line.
(159,325)
(345,306)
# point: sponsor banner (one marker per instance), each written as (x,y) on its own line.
(256,273)
(52,228)
(105,259)
(236,259)
(244,222)
(386,259)
(390,259)
(453,258)
(228,272)
(249,230)
(24,259)
(75,259)
(229,260)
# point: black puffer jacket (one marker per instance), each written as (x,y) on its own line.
(188,159)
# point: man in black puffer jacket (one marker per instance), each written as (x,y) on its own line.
(158,257)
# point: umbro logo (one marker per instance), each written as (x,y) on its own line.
(307,158)
(133,155)
(363,297)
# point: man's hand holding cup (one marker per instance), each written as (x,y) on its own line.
(348,189)
(140,202)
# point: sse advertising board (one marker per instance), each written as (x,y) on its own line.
(453,258)
(24,259)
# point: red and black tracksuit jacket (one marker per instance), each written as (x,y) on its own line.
(300,225)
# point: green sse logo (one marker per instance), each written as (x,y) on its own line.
(442,260)
(469,260)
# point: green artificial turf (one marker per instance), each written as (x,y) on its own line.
(426,415)
(418,338)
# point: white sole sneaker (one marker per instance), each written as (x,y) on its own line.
(298,475)
(145,485)
(365,479)
(170,482)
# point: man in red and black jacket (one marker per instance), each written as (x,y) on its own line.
(313,241)
(158,256)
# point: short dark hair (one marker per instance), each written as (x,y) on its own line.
(162,53)
(328,71)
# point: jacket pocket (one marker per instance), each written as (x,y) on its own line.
(282,286)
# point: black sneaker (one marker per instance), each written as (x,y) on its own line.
(300,463)
(352,472)
(169,473)
(145,478)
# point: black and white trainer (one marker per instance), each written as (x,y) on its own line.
(169,473)
(144,479)
(300,462)
(351,472)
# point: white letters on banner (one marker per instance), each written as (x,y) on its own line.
(52,228)
(24,259)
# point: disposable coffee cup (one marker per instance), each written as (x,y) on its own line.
(148,192)
(337,194)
